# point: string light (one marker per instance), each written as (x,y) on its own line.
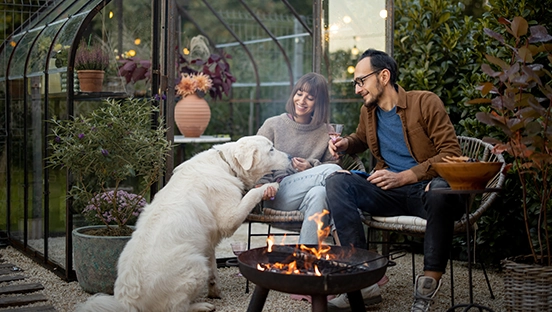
(131,53)
(111,14)
(351,69)
(137,41)
(185,51)
(383,13)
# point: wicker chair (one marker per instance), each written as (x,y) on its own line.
(415,226)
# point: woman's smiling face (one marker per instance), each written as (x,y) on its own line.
(304,104)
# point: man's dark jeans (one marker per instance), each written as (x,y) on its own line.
(347,192)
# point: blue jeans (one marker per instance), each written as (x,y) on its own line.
(305,191)
(347,192)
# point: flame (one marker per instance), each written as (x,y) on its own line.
(269,243)
(321,251)
(322,232)
(316,271)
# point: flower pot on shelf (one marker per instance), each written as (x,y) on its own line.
(90,80)
(95,259)
(191,115)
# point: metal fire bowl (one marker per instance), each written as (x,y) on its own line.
(335,283)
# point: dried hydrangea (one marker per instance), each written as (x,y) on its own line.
(193,84)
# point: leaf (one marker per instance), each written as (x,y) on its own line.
(497,61)
(519,26)
(487,87)
(444,17)
(479,101)
(486,68)
(539,34)
(494,34)
(525,55)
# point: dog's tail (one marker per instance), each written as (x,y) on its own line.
(101,303)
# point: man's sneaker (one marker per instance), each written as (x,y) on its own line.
(425,289)
(371,295)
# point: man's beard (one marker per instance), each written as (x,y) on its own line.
(375,99)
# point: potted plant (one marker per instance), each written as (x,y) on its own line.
(114,156)
(90,63)
(192,113)
(520,106)
(201,60)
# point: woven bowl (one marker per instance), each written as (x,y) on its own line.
(467,175)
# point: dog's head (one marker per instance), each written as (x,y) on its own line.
(254,156)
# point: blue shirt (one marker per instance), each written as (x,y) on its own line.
(391,140)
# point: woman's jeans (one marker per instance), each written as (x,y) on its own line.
(348,192)
(305,191)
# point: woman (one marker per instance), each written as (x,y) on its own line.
(302,132)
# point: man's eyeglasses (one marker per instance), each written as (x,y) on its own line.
(360,80)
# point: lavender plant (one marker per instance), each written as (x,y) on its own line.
(91,57)
(103,151)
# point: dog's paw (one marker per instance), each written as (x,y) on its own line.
(202,307)
(214,291)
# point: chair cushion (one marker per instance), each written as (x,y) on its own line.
(410,220)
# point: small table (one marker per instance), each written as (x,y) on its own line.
(219,138)
(470,196)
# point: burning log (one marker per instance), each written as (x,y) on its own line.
(301,261)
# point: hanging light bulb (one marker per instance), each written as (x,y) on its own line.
(185,51)
(131,53)
(111,14)
(351,69)
(354,51)
(137,41)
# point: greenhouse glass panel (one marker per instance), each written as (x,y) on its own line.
(17,65)
(37,61)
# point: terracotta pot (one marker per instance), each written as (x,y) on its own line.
(90,80)
(192,115)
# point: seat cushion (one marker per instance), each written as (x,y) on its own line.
(410,220)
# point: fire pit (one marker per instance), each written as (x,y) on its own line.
(343,270)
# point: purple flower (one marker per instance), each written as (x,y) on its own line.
(81,136)
(158,97)
(57,139)
(105,152)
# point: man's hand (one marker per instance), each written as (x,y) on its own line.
(386,179)
(339,145)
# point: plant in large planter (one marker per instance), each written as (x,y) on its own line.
(105,152)
(90,63)
(520,97)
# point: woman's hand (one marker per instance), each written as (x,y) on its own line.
(300,164)
(269,193)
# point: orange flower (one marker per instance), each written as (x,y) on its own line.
(190,84)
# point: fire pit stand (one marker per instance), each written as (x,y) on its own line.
(318,287)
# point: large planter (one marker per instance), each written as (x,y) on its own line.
(90,80)
(192,115)
(527,287)
(95,259)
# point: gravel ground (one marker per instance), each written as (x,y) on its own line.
(397,294)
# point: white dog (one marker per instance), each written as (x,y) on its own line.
(171,255)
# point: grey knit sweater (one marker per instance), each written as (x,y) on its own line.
(307,141)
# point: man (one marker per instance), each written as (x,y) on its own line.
(406,132)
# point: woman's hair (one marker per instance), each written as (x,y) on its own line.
(317,86)
(380,60)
